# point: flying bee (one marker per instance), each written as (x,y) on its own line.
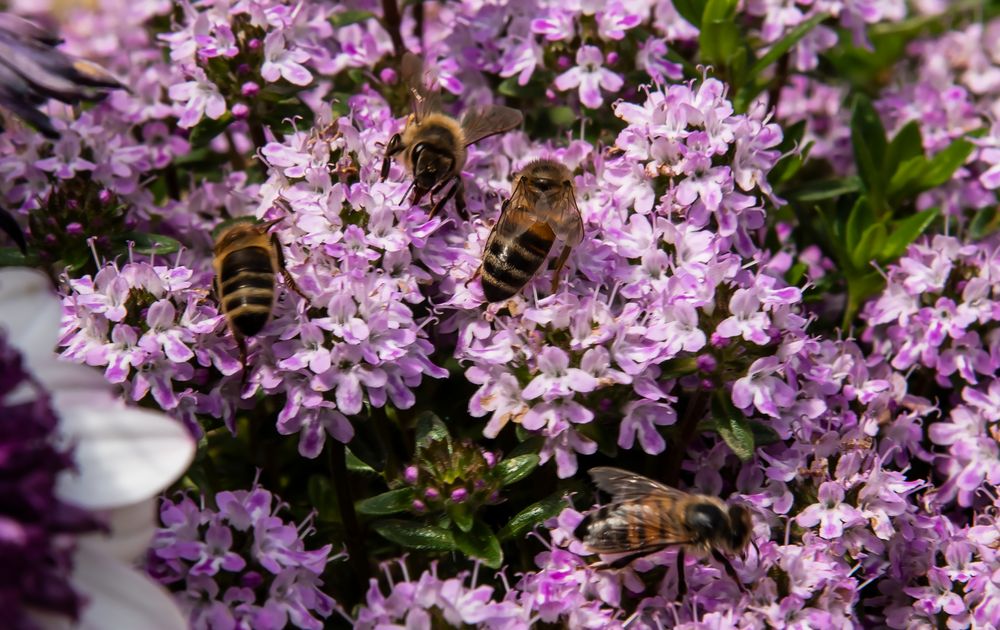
(541,207)
(645,516)
(434,145)
(245,261)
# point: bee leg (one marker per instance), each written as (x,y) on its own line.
(241,345)
(395,146)
(460,199)
(563,255)
(623,562)
(729,569)
(479,270)
(681,578)
(443,200)
(289,280)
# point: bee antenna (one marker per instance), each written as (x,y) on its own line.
(407,193)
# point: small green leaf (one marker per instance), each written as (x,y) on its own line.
(532,515)
(322,498)
(12,257)
(785,44)
(561,116)
(430,428)
(905,232)
(391,502)
(480,543)
(763,434)
(823,190)
(945,162)
(354,464)
(514,469)
(206,130)
(415,536)
(691,10)
(731,425)
(986,222)
(720,38)
(462,516)
(351,16)
(147,244)
(738,435)
(869,143)
(906,145)
(872,241)
(859,220)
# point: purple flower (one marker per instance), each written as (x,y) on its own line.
(200,97)
(831,513)
(590,77)
(281,62)
(557,379)
(761,389)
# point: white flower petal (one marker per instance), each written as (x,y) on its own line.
(121,597)
(30,312)
(124,455)
(130,530)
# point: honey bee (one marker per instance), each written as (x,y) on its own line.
(645,516)
(245,261)
(541,208)
(433,144)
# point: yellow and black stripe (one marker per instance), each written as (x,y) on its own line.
(510,263)
(247,288)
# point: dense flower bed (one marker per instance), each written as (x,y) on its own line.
(787,295)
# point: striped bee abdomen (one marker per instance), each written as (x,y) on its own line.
(629,526)
(247,288)
(510,263)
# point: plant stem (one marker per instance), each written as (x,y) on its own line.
(357,554)
(392,20)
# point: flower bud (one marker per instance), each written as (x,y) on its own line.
(410,475)
(432,494)
(459,494)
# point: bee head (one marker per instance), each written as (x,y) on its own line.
(430,166)
(705,520)
(741,527)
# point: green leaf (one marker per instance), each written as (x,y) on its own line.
(462,517)
(480,543)
(986,222)
(430,428)
(785,44)
(906,145)
(12,257)
(869,143)
(945,162)
(206,130)
(738,435)
(351,16)
(732,425)
(391,502)
(415,536)
(872,241)
(354,464)
(823,190)
(532,515)
(322,498)
(561,116)
(514,469)
(763,434)
(691,10)
(918,174)
(859,220)
(720,37)
(906,231)
(147,244)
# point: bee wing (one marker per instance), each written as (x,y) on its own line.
(566,221)
(482,122)
(516,217)
(623,485)
(424,100)
(633,526)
